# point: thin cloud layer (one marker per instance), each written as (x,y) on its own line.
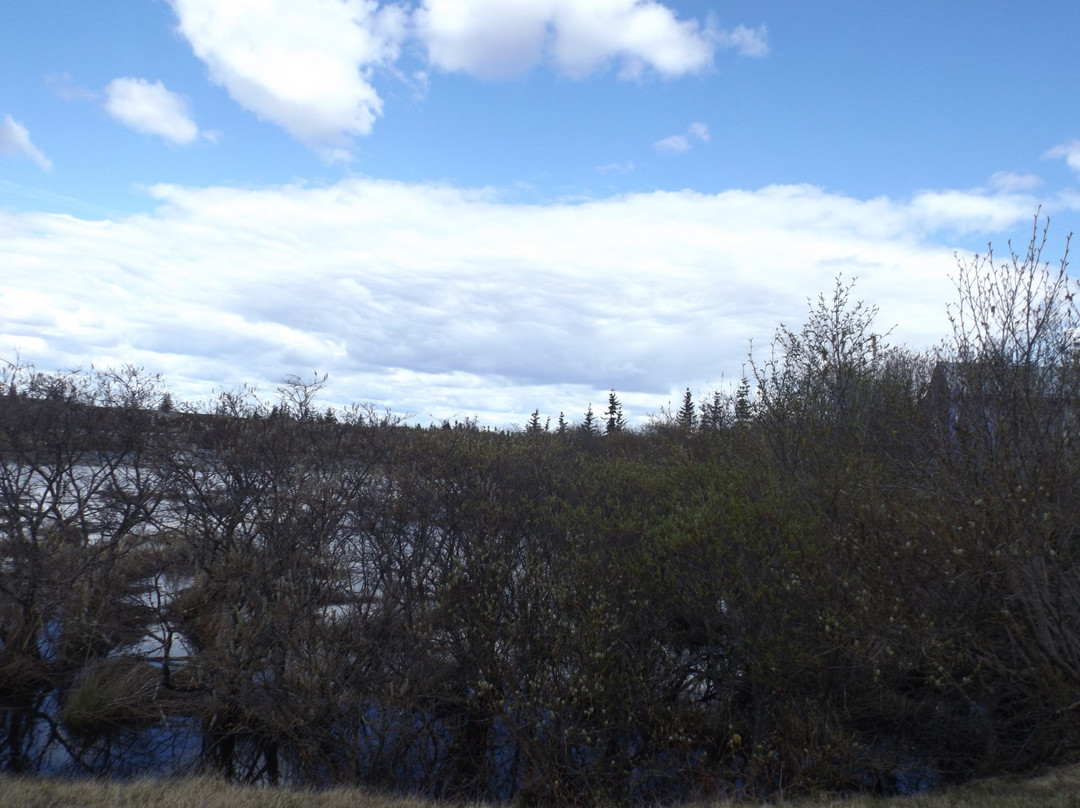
(151,109)
(747,41)
(15,142)
(677,144)
(1008,181)
(447,302)
(304,65)
(673,144)
(1070,152)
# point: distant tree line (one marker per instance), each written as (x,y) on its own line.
(858,570)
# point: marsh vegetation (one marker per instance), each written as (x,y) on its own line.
(858,571)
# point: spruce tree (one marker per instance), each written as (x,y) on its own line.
(743,407)
(687,417)
(615,420)
(712,412)
(589,424)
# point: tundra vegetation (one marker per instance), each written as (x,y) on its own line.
(858,571)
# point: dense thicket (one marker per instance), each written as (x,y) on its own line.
(860,570)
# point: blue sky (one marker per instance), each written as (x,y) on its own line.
(482,207)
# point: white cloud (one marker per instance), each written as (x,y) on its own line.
(494,38)
(64,86)
(971,211)
(15,142)
(151,109)
(677,144)
(747,41)
(1070,151)
(308,65)
(485,38)
(449,302)
(304,65)
(1010,182)
(673,144)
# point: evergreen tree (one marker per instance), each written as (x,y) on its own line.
(562,424)
(589,424)
(534,422)
(615,420)
(713,412)
(687,417)
(743,407)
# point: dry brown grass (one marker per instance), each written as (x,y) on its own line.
(1057,789)
(201,792)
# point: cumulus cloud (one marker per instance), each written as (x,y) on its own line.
(677,144)
(304,65)
(448,302)
(15,142)
(493,38)
(1069,151)
(151,109)
(309,65)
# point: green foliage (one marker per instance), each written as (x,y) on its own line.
(687,415)
(616,422)
(589,425)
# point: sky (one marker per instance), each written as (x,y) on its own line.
(477,208)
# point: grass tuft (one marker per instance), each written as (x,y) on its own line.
(114,695)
